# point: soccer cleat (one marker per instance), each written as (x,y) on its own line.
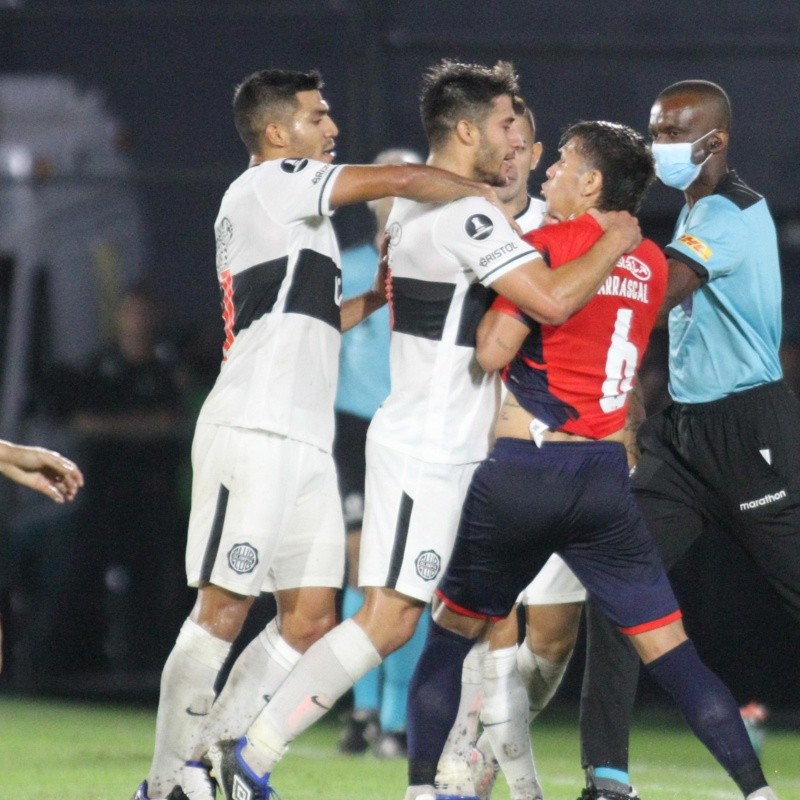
(593,793)
(360,733)
(196,782)
(392,745)
(177,793)
(455,796)
(234,777)
(141,792)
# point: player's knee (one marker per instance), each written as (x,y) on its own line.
(302,630)
(220,612)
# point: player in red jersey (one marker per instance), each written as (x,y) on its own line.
(557,479)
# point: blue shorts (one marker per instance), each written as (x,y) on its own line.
(573,498)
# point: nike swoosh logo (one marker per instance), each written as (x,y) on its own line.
(267,698)
(492,724)
(317,702)
(196,713)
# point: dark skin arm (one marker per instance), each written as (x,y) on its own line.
(681,283)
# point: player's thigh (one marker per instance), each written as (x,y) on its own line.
(411,515)
(556,583)
(311,548)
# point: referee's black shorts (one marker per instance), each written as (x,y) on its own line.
(735,462)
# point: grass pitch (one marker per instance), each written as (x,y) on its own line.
(52,750)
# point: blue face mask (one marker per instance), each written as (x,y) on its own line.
(674,165)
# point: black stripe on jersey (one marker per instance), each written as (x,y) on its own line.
(316,288)
(215,535)
(400,539)
(420,308)
(330,174)
(476,304)
(737,191)
(255,291)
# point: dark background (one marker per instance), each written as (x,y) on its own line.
(167,70)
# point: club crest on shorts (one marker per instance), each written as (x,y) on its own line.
(428,564)
(242,558)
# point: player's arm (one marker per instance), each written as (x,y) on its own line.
(634,419)
(682,280)
(43,470)
(359,183)
(358,308)
(552,296)
(499,336)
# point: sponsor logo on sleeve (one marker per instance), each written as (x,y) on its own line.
(479,226)
(498,252)
(699,247)
(320,174)
(294,164)
(242,558)
(637,268)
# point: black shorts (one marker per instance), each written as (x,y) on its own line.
(734,462)
(348,453)
(527,502)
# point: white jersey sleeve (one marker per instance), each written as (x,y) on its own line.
(479,237)
(294,189)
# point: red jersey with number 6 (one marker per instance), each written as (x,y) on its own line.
(576,377)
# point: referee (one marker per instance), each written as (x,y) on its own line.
(727,450)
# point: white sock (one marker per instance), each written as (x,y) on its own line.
(453,775)
(255,677)
(187,692)
(505,718)
(766,793)
(323,674)
(540,676)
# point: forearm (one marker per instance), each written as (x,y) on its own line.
(433,185)
(636,416)
(358,308)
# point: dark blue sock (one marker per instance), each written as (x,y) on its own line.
(433,697)
(711,712)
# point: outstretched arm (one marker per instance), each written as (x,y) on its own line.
(43,470)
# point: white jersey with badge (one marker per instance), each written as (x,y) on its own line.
(442,404)
(279,274)
(531,218)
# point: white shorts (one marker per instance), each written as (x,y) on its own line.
(555,584)
(411,514)
(266,513)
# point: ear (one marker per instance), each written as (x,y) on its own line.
(592,181)
(276,135)
(538,149)
(718,142)
(466,132)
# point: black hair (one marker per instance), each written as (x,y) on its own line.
(268,95)
(452,91)
(621,155)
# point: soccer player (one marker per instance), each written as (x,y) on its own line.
(265,513)
(497,675)
(427,437)
(727,450)
(557,478)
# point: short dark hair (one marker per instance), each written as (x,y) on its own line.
(452,91)
(268,95)
(707,91)
(621,155)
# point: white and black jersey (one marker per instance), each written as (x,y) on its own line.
(279,274)
(530,218)
(443,257)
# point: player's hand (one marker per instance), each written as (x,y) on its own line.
(621,224)
(42,470)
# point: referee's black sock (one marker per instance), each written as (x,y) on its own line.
(711,712)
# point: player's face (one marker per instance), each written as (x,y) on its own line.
(525,159)
(312,132)
(564,188)
(499,140)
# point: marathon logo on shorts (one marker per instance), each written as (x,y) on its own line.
(428,565)
(693,243)
(294,164)
(766,500)
(479,226)
(242,558)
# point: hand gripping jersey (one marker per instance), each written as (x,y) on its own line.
(278,269)
(442,404)
(576,377)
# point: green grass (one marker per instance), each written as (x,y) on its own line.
(73,751)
